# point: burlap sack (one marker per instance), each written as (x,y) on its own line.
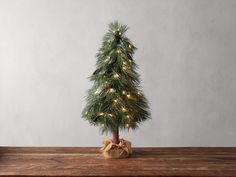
(111,150)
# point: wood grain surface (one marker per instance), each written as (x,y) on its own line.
(87,161)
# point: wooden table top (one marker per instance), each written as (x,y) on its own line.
(84,161)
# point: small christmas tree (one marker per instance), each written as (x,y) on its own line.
(115,101)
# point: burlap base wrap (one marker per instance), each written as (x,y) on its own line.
(111,150)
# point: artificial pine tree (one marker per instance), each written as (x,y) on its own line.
(115,101)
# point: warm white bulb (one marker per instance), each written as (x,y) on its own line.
(128,116)
(115,101)
(101,114)
(130,46)
(111,90)
(124,63)
(127,125)
(139,93)
(128,95)
(96,92)
(124,68)
(110,115)
(116,76)
(123,92)
(124,110)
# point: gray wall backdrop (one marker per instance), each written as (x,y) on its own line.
(187,63)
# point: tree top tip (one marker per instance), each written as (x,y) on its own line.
(117,27)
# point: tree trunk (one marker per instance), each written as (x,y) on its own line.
(115,137)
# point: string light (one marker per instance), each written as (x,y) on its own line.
(101,114)
(111,115)
(96,92)
(130,46)
(118,51)
(127,125)
(128,116)
(86,113)
(124,63)
(130,61)
(116,76)
(123,92)
(111,90)
(108,58)
(115,100)
(115,31)
(124,110)
(139,93)
(128,95)
(102,125)
(124,68)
